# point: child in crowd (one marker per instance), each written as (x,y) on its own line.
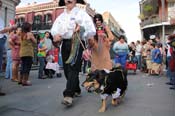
(52,65)
(49,65)
(148,61)
(156,59)
(41,57)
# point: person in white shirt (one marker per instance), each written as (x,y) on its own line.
(49,45)
(47,41)
(72,21)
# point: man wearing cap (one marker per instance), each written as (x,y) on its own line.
(73,20)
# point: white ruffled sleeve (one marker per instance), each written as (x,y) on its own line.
(1,24)
(84,20)
(59,26)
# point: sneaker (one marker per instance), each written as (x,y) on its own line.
(67,101)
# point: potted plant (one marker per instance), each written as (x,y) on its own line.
(141,16)
(148,8)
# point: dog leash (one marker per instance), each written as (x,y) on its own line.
(80,41)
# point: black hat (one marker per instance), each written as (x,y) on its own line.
(62,3)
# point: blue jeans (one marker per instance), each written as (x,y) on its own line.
(173,78)
(138,61)
(169,73)
(2,45)
(8,70)
(60,62)
(41,66)
(121,59)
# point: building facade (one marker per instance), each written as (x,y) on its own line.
(115,28)
(157,18)
(8,10)
(42,16)
(113,24)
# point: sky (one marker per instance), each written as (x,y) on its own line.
(125,12)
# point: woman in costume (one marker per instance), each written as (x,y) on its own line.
(100,58)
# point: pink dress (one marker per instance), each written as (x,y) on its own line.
(15,48)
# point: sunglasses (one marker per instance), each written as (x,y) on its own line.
(97,19)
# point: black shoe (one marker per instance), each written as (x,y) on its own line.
(2,94)
(172,88)
(50,76)
(19,83)
(41,78)
(169,83)
(59,75)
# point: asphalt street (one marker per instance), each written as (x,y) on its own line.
(145,96)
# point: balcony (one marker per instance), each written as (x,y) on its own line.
(41,26)
(115,32)
(155,19)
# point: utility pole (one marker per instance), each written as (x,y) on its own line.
(163,20)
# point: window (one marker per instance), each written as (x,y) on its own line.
(171,4)
(47,18)
(37,19)
(19,21)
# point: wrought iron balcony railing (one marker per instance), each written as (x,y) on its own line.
(152,20)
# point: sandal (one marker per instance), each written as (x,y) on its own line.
(26,84)
(19,83)
(14,80)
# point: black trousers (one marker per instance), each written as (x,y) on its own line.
(26,64)
(71,71)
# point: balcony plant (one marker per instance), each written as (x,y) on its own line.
(148,8)
(141,16)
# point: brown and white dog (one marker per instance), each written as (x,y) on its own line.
(105,82)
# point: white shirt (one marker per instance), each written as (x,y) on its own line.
(1,27)
(48,43)
(138,49)
(65,23)
(168,51)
